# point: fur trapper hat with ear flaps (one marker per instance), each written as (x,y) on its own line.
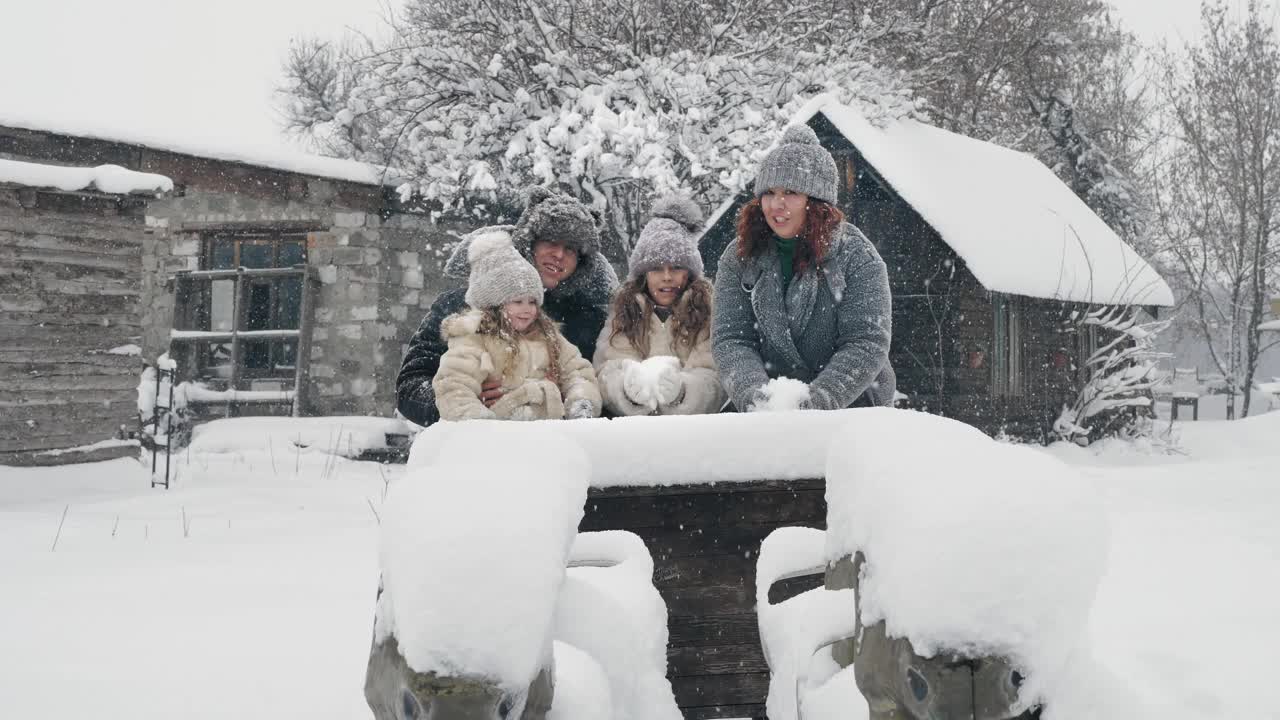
(499,274)
(669,238)
(558,218)
(800,164)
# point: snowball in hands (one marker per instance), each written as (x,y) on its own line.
(653,382)
(780,394)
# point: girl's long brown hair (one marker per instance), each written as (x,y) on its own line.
(690,315)
(494,323)
(821,220)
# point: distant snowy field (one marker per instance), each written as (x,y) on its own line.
(248,589)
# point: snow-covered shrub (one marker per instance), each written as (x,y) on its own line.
(1116,400)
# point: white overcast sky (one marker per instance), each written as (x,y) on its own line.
(205,69)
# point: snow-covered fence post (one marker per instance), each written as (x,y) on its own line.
(1116,398)
(974,567)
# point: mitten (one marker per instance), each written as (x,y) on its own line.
(670,384)
(580,409)
(633,384)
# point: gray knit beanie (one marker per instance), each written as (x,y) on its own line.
(800,164)
(498,274)
(669,238)
(557,218)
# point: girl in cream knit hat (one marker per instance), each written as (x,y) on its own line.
(506,335)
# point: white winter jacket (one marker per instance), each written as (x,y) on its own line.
(702,390)
(527,392)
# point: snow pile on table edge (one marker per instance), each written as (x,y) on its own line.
(675,450)
(1011,539)
(473,555)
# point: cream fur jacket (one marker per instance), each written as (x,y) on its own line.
(527,392)
(702,391)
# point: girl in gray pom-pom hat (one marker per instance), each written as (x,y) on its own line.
(654,354)
(506,335)
(803,311)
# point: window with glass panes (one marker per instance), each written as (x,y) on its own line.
(269,303)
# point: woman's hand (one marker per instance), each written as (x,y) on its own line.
(491,391)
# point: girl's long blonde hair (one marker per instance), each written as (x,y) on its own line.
(690,315)
(494,323)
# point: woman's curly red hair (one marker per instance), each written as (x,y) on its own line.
(821,221)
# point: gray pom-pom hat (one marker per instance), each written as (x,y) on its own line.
(800,164)
(669,238)
(499,274)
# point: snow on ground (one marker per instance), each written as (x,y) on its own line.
(248,589)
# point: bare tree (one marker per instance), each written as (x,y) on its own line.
(1220,188)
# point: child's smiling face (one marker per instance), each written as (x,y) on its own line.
(521,313)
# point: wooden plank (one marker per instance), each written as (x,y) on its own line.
(45,384)
(57,303)
(719,690)
(35,337)
(713,630)
(695,601)
(706,570)
(89,243)
(37,256)
(65,355)
(43,458)
(713,712)
(707,510)
(10,404)
(715,660)
(664,542)
(85,317)
(711,488)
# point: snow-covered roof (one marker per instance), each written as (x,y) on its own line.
(274,156)
(1270,325)
(104,178)
(1018,227)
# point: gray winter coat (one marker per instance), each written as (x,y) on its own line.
(831,331)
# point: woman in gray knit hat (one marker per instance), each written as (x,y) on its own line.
(654,353)
(803,311)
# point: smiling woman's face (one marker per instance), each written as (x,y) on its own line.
(784,211)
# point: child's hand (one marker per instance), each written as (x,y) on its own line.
(580,409)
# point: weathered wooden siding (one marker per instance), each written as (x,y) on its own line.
(704,540)
(70,274)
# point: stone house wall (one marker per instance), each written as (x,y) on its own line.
(377,267)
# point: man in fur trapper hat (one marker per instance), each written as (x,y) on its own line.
(559,236)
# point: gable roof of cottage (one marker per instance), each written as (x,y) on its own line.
(1018,228)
